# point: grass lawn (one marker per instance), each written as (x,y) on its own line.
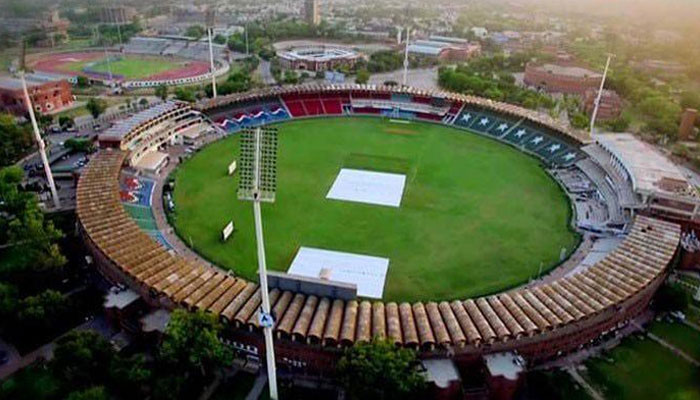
(642,369)
(476,216)
(682,336)
(129,66)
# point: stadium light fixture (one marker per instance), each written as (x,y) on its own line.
(258,183)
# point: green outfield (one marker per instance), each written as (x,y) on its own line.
(131,67)
(476,216)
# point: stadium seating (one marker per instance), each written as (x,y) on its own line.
(540,321)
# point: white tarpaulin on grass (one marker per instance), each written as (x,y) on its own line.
(368,187)
(367,272)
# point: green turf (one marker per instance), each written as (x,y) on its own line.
(642,369)
(139,212)
(131,67)
(680,335)
(476,216)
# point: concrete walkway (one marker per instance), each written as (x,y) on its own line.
(258,387)
(691,325)
(584,384)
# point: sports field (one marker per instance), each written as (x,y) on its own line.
(641,369)
(130,67)
(476,216)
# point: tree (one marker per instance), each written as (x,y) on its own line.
(15,139)
(93,393)
(195,31)
(82,359)
(96,107)
(362,76)
(40,313)
(219,39)
(191,344)
(162,92)
(185,94)
(82,81)
(130,376)
(79,145)
(143,102)
(65,121)
(8,300)
(380,370)
(31,238)
(385,60)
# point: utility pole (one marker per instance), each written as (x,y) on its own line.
(600,95)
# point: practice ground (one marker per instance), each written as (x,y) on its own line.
(476,216)
(640,368)
(130,67)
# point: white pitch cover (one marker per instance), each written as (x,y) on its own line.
(369,187)
(367,272)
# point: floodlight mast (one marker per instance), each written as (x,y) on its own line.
(405,56)
(262,268)
(600,95)
(210,21)
(39,140)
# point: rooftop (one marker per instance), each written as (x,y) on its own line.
(508,365)
(651,171)
(441,372)
(156,321)
(120,299)
(318,53)
(123,127)
(573,71)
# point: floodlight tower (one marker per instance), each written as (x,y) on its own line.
(405,56)
(600,94)
(37,135)
(210,27)
(258,183)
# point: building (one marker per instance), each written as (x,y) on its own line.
(610,104)
(662,187)
(48,94)
(445,48)
(479,32)
(312,12)
(557,78)
(145,134)
(55,28)
(318,58)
